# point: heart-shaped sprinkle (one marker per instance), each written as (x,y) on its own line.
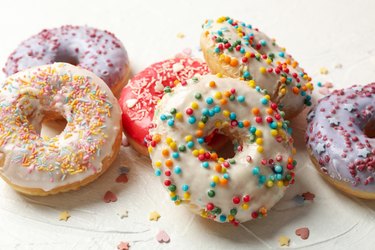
(109,197)
(303,232)
(122,178)
(162,237)
(308,196)
(187,51)
(180,55)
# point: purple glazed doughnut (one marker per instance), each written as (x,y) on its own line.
(96,50)
(340,138)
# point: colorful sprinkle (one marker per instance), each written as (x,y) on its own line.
(163,237)
(154,216)
(64,215)
(109,197)
(123,246)
(284,241)
(303,232)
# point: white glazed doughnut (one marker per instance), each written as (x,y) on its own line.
(236,189)
(238,50)
(38,165)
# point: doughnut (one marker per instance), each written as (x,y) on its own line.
(220,185)
(89,48)
(36,164)
(139,97)
(340,138)
(238,50)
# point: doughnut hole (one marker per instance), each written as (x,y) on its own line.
(222,143)
(53,124)
(369,129)
(66,57)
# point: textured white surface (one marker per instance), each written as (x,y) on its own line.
(317,33)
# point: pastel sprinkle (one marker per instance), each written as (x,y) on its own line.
(154,216)
(64,216)
(284,241)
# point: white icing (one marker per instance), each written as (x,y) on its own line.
(242,181)
(70,141)
(292,103)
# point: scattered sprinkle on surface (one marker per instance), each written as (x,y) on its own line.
(284,241)
(64,215)
(122,178)
(110,197)
(299,199)
(163,237)
(323,71)
(303,232)
(123,246)
(180,35)
(124,170)
(338,66)
(187,51)
(308,196)
(154,216)
(123,213)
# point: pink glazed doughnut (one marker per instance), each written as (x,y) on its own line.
(340,139)
(95,50)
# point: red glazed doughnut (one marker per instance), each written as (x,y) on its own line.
(141,94)
(95,50)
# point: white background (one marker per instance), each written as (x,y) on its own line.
(317,33)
